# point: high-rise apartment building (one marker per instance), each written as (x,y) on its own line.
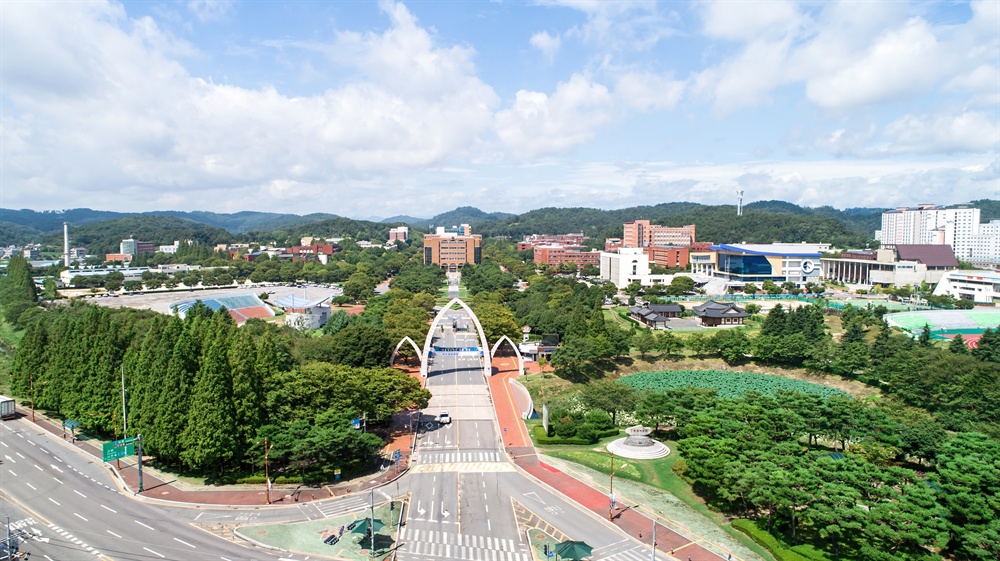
(641,233)
(931,224)
(452,249)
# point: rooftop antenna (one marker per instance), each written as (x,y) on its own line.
(739,203)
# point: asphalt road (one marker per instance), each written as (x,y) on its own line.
(73,508)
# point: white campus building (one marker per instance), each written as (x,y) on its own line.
(934,225)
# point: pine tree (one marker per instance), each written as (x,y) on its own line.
(175,397)
(210,439)
(774,323)
(957,345)
(248,389)
(30,360)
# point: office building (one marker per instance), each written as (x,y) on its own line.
(556,255)
(929,224)
(641,233)
(399,233)
(982,287)
(906,264)
(739,264)
(451,249)
(134,247)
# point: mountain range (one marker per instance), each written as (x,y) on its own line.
(762,222)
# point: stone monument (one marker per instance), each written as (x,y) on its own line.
(638,445)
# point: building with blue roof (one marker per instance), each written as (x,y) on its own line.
(740,264)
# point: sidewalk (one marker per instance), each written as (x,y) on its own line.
(521,448)
(157,485)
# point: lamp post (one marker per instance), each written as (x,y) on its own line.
(31,380)
(267,473)
(611,496)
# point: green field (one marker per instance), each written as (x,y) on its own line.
(729,384)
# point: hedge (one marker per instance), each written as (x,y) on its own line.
(543,438)
(765,539)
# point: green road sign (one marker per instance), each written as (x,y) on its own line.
(119,449)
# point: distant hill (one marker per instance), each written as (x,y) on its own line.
(762,222)
(410,220)
(104,237)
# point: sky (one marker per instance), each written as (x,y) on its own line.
(375,109)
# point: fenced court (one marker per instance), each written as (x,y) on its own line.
(945,324)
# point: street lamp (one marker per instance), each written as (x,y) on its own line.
(611,495)
(267,474)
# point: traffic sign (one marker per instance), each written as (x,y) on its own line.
(336,474)
(118,449)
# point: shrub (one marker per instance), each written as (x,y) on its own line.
(599,419)
(587,432)
(543,439)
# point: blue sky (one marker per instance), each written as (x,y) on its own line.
(368,108)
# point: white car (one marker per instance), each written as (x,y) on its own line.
(444,418)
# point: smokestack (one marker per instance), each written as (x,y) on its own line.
(66,244)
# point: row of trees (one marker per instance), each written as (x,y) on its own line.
(746,455)
(204,393)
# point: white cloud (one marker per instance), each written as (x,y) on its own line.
(620,24)
(645,91)
(540,124)
(747,20)
(966,131)
(547,44)
(899,64)
(210,10)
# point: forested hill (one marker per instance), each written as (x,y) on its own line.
(461,215)
(763,222)
(104,237)
(331,227)
(246,221)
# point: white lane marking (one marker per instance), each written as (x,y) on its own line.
(58,459)
(4,444)
(22,456)
(53,500)
(31,442)
(44,450)
(79,493)
(49,558)
(57,480)
(32,486)
(155,553)
(111,509)
(146,525)
(185,543)
(113,534)
(12,472)
(53,466)
(19,435)
(81,518)
(38,468)
(224,559)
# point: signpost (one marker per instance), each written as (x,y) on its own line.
(118,449)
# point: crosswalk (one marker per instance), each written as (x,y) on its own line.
(431,457)
(626,550)
(463,467)
(444,545)
(74,539)
(337,507)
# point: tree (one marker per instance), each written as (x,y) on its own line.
(644,341)
(669,343)
(988,348)
(361,345)
(210,437)
(769,287)
(497,320)
(680,285)
(957,345)
(750,288)
(608,396)
(924,339)
(753,308)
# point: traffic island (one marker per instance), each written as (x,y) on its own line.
(347,536)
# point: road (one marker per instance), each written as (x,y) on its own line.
(462,483)
(72,507)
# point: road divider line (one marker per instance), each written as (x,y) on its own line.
(53,500)
(22,455)
(38,468)
(81,518)
(79,493)
(57,480)
(113,534)
(32,486)
(155,553)
(185,543)
(111,509)
(146,525)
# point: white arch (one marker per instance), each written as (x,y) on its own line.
(399,344)
(520,359)
(487,364)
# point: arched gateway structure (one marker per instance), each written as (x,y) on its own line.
(487,364)
(517,352)
(406,339)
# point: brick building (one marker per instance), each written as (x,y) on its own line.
(556,255)
(451,250)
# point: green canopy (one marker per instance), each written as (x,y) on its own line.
(573,550)
(362,526)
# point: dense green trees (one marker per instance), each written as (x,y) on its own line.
(203,393)
(746,455)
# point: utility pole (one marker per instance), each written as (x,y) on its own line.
(138,451)
(124,416)
(371,527)
(267,473)
(31,380)
(653,557)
